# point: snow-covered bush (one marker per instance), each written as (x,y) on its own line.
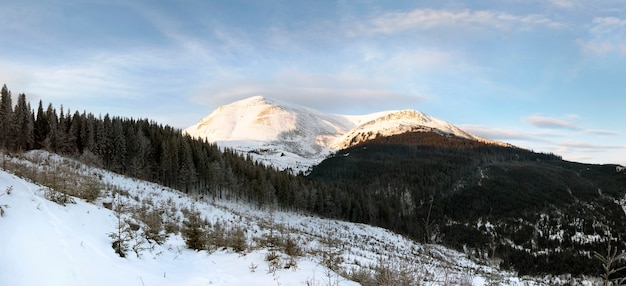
(60,198)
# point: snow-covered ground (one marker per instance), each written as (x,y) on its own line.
(45,243)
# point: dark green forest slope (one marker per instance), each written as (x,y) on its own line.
(531,212)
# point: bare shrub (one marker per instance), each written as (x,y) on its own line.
(273,261)
(361,276)
(153,226)
(217,237)
(169,213)
(89,190)
(237,238)
(292,247)
(90,159)
(331,253)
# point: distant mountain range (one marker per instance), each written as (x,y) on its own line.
(287,135)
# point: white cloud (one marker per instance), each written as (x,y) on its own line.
(426,19)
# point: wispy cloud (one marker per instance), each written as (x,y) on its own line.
(498,133)
(568,123)
(603,132)
(425,19)
(348,93)
(582,150)
(606,35)
(553,123)
(584,147)
(565,4)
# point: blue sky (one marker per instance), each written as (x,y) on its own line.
(545,75)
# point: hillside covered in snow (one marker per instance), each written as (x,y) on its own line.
(51,238)
(289,136)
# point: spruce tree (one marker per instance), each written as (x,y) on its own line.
(6,118)
(118,151)
(42,128)
(24,125)
(53,121)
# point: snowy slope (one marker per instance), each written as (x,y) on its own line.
(286,135)
(44,243)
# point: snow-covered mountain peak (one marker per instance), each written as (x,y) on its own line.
(292,136)
(288,135)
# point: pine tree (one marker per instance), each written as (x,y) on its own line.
(6,118)
(194,231)
(61,140)
(53,121)
(24,123)
(132,159)
(87,132)
(42,128)
(186,171)
(118,151)
(104,145)
(75,141)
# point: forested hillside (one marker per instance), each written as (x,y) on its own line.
(528,211)
(531,212)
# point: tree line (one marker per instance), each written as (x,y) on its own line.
(147,150)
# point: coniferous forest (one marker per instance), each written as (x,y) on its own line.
(526,211)
(142,149)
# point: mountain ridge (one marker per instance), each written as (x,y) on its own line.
(291,136)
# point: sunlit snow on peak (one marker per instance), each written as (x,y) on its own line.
(290,136)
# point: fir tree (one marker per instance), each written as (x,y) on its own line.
(6,118)
(42,128)
(24,124)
